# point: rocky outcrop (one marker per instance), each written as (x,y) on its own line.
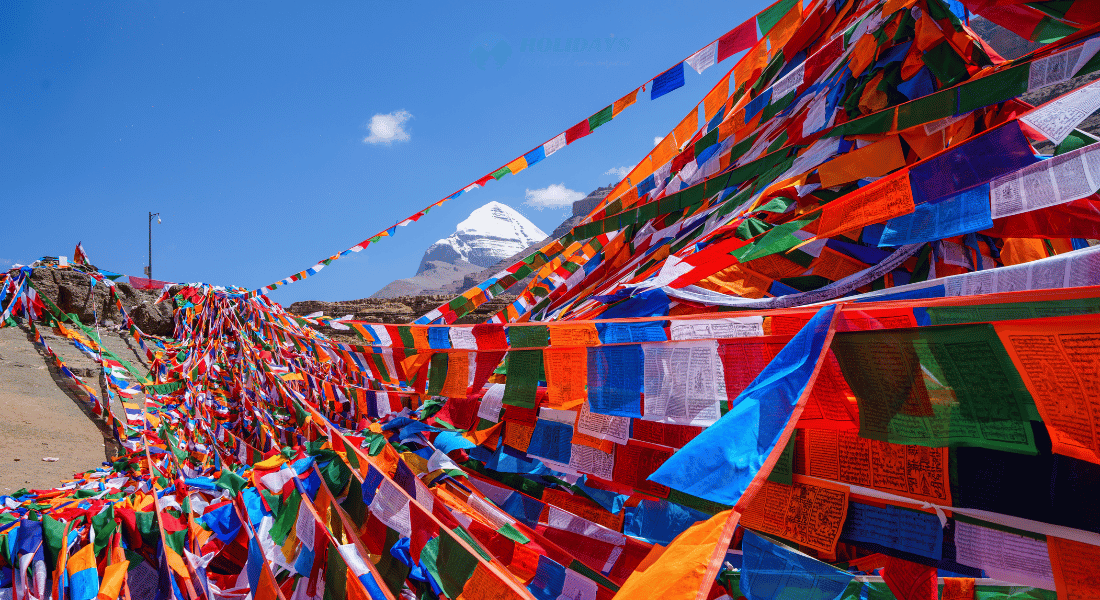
(400,310)
(72,292)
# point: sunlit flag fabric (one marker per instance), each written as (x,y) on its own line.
(846,304)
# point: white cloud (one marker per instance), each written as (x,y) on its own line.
(387,128)
(555,195)
(657,140)
(620,172)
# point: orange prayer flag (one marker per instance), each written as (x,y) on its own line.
(630,196)
(877,202)
(484,584)
(483,435)
(268,588)
(518,435)
(922,144)
(420,336)
(573,335)
(958,588)
(1074,565)
(640,171)
(517,165)
(1018,251)
(623,102)
(1056,363)
(114,575)
(729,126)
(781,33)
(566,376)
(874,160)
(665,150)
(928,33)
(893,6)
(458,375)
(716,98)
(686,128)
(687,567)
(873,99)
(862,55)
(750,65)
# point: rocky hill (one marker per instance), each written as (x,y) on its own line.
(72,291)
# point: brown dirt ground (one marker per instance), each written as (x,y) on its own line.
(40,415)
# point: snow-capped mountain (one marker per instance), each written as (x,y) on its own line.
(491,233)
(490,239)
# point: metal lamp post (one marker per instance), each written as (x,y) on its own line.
(149,269)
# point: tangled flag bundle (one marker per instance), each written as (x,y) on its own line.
(834,337)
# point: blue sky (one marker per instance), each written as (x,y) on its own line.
(248,125)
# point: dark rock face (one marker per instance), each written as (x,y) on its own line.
(585,205)
(73,292)
(400,310)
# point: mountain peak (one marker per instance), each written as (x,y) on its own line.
(492,232)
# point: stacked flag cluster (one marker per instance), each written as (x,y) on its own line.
(836,336)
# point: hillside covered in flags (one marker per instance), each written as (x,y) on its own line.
(834,337)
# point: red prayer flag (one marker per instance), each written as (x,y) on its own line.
(910,581)
(577,131)
(739,38)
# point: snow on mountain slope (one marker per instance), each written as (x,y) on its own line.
(491,233)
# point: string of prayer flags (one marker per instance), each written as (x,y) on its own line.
(845,305)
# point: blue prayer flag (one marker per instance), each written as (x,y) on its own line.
(535,155)
(551,440)
(965,212)
(667,81)
(770,571)
(615,380)
(721,462)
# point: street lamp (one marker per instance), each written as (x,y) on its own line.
(149,269)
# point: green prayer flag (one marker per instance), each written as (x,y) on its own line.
(53,536)
(336,575)
(104,526)
(600,118)
(286,519)
(524,372)
(509,531)
(454,563)
(231,481)
(768,19)
(937,387)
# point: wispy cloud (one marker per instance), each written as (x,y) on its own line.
(555,195)
(620,172)
(657,140)
(388,128)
